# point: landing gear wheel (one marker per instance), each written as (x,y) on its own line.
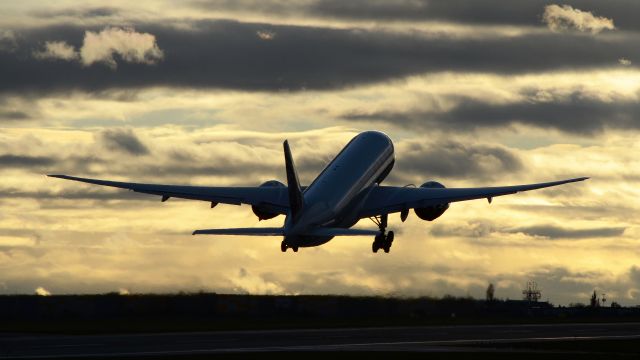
(377,243)
(283,246)
(388,241)
(295,248)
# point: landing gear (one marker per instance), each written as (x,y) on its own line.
(383,240)
(284,247)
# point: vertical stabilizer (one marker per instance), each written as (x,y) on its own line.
(293,184)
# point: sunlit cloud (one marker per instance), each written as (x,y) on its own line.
(129,45)
(101,47)
(266,34)
(564,17)
(624,62)
(57,50)
(40,291)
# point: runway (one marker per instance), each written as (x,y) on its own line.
(414,339)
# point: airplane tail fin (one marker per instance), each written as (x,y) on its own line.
(293,184)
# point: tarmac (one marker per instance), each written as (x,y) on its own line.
(395,339)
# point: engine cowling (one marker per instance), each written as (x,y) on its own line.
(431,213)
(266,212)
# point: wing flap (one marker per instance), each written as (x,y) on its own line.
(390,199)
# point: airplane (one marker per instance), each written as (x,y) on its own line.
(347,190)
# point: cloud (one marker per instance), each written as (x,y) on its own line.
(441,84)
(453,159)
(104,46)
(576,112)
(229,55)
(471,229)
(83,13)
(57,50)
(129,45)
(266,34)
(8,41)
(25,161)
(246,282)
(556,232)
(40,291)
(124,140)
(14,115)
(624,62)
(478,229)
(562,18)
(488,12)
(82,193)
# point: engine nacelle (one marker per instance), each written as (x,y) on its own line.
(265,212)
(431,213)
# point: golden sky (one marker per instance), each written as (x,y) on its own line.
(204,92)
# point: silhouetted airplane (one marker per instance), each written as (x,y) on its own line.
(347,190)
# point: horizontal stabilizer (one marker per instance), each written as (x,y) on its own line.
(341,232)
(280,232)
(242,231)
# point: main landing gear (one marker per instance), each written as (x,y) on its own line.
(383,240)
(284,247)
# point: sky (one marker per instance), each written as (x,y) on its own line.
(204,92)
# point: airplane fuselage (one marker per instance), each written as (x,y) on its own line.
(334,197)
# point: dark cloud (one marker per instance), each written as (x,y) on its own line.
(123,140)
(25,161)
(576,113)
(634,275)
(14,115)
(500,12)
(81,193)
(248,171)
(483,229)
(597,212)
(228,54)
(471,229)
(92,12)
(8,42)
(556,232)
(488,12)
(454,160)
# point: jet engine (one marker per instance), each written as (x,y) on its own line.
(433,212)
(265,212)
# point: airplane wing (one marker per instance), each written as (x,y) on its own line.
(275,197)
(390,199)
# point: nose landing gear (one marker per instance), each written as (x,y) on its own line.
(383,240)
(284,247)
